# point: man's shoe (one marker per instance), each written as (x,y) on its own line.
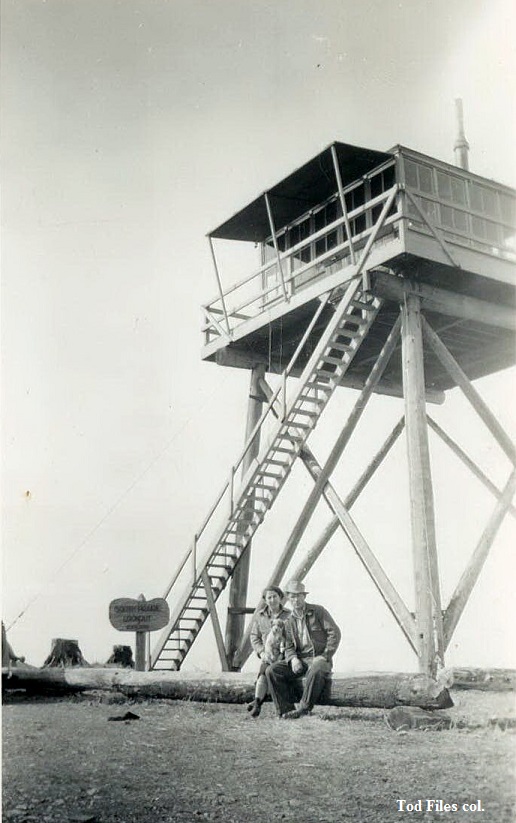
(295,714)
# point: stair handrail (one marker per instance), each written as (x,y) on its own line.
(374,201)
(234,467)
(389,199)
(351,281)
(387,195)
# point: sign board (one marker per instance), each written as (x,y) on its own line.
(129,615)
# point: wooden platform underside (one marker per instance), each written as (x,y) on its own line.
(479,347)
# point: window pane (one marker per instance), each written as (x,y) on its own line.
(425,179)
(491,231)
(388,178)
(331,212)
(460,220)
(377,186)
(430,209)
(458,191)
(411,174)
(508,208)
(446,216)
(444,185)
(475,196)
(478,226)
(320,220)
(490,202)
(304,229)
(331,240)
(293,236)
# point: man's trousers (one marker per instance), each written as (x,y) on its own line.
(284,685)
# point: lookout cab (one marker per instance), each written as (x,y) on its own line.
(400,218)
(365,261)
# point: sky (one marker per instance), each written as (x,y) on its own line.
(130,130)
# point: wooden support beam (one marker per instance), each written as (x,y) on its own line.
(470,576)
(476,470)
(326,535)
(437,234)
(367,557)
(391,389)
(455,371)
(248,360)
(276,247)
(219,284)
(342,199)
(428,598)
(377,226)
(215,621)
(336,452)
(235,624)
(306,455)
(443,301)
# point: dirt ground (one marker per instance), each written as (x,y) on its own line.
(63,760)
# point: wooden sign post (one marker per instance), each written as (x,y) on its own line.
(141,616)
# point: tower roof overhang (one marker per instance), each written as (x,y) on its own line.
(305,188)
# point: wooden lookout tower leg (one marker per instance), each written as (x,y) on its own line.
(426,574)
(239,582)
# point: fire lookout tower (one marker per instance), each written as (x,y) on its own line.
(388,272)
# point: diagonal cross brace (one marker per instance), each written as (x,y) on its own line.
(466,459)
(372,565)
(455,371)
(470,576)
(341,443)
(349,501)
(319,489)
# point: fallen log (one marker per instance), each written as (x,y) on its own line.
(367,690)
(493,680)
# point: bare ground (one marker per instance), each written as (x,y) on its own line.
(184,761)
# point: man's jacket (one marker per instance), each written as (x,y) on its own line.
(324,633)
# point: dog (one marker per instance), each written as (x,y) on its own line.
(275,641)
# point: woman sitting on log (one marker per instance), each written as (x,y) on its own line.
(267,635)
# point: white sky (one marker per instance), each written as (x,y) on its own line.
(130,129)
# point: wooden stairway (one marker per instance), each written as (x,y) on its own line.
(350,323)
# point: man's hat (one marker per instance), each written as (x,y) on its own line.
(295,587)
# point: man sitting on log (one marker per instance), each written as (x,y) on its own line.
(312,638)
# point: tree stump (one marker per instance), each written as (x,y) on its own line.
(64,653)
(122,656)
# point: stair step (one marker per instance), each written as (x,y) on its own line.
(340,346)
(284,449)
(347,328)
(359,304)
(343,332)
(313,415)
(262,482)
(326,372)
(317,385)
(299,425)
(335,360)
(295,438)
